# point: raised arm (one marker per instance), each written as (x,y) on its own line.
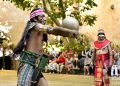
(63,32)
(83,53)
(57,31)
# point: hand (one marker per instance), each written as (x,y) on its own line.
(49,29)
(15,56)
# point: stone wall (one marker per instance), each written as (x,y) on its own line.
(108,13)
(14,17)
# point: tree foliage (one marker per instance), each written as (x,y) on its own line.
(77,45)
(58,9)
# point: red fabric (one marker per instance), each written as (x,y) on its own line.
(98,84)
(98,76)
(102,61)
(102,57)
(60,59)
(101,44)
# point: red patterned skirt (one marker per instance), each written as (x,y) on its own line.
(101,63)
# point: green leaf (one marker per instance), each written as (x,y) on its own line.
(58,9)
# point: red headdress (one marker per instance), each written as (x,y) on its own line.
(36,13)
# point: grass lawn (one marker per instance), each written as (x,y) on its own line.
(8,78)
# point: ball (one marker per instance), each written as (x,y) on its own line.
(70,23)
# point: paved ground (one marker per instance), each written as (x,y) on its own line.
(8,78)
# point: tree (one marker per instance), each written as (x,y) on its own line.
(58,9)
(77,45)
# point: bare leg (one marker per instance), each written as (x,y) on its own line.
(105,78)
(42,82)
(58,68)
(61,68)
(84,70)
(87,70)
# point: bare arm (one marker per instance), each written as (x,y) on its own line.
(90,52)
(110,54)
(83,53)
(63,32)
(93,55)
(57,31)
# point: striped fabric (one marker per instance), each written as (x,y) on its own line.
(27,67)
(25,74)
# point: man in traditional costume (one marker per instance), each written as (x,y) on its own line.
(30,47)
(102,56)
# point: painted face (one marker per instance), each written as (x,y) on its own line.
(101,37)
(42,19)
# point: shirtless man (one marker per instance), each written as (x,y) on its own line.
(30,46)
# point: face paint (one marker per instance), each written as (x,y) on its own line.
(101,37)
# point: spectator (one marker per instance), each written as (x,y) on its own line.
(114,68)
(117,56)
(61,62)
(70,52)
(52,65)
(54,52)
(1,56)
(8,52)
(87,61)
(91,67)
(75,60)
(81,61)
(69,62)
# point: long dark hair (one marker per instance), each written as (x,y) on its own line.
(25,36)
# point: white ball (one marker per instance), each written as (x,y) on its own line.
(70,23)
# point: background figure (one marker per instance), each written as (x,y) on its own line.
(81,61)
(87,61)
(8,53)
(54,52)
(1,56)
(91,67)
(114,68)
(117,56)
(102,56)
(75,60)
(61,62)
(52,65)
(69,62)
